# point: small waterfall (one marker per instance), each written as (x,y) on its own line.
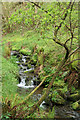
(25,83)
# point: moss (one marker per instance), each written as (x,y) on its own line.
(76,106)
(29,66)
(59,84)
(56,98)
(73,57)
(75,96)
(25,51)
(31,71)
(34,58)
(62,92)
(14,48)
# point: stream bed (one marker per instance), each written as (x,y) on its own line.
(28,81)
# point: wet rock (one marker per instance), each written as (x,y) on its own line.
(33,62)
(14,52)
(18,77)
(24,64)
(29,66)
(30,71)
(76,105)
(18,62)
(28,78)
(65,112)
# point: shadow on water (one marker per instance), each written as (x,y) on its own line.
(27,82)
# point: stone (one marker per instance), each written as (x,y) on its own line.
(28,66)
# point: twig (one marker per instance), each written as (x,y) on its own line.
(73,52)
(70,62)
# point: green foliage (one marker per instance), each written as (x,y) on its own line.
(51,113)
(75,105)
(56,98)
(25,18)
(73,89)
(75,63)
(9,72)
(13,60)
(25,51)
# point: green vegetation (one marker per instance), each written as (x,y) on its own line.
(9,76)
(48,34)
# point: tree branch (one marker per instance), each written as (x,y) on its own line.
(70,62)
(73,52)
(40,8)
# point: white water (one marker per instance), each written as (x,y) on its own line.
(23,75)
(22,86)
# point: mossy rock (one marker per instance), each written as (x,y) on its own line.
(14,48)
(25,51)
(56,98)
(75,97)
(29,66)
(76,105)
(31,71)
(33,62)
(34,58)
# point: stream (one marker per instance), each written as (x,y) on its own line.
(28,81)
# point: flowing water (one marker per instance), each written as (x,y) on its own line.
(28,81)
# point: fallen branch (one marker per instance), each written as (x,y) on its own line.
(35,89)
(34,107)
(24,101)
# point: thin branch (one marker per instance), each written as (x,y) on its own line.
(40,8)
(70,62)
(69,39)
(66,13)
(74,52)
(57,29)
